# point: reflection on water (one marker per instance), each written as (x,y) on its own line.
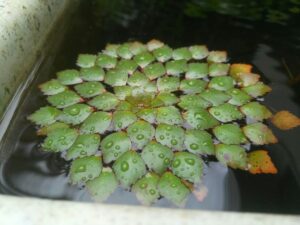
(266,45)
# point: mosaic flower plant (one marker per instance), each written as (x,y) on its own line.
(144,116)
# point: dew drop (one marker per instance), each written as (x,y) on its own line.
(143,185)
(176,163)
(191,83)
(173,185)
(81,169)
(134,130)
(140,136)
(109,144)
(90,176)
(82,152)
(221,83)
(162,137)
(161,155)
(79,146)
(124,166)
(83,179)
(116,155)
(117,147)
(216,113)
(74,111)
(174,142)
(194,146)
(190,161)
(152,191)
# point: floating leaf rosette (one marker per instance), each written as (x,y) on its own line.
(143,117)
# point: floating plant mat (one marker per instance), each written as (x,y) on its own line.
(146,117)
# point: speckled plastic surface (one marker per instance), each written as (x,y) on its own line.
(24,27)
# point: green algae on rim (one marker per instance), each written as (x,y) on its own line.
(142,116)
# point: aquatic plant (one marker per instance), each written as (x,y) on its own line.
(144,116)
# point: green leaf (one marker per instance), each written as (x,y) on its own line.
(176,67)
(105,101)
(122,119)
(192,86)
(102,186)
(222,83)
(143,59)
(124,51)
(52,128)
(146,189)
(259,134)
(60,140)
(188,166)
(232,155)
(257,90)
(168,84)
(163,53)
(44,116)
(129,66)
(69,77)
(116,78)
(238,97)
(157,157)
(230,134)
(85,145)
(64,99)
(199,51)
(154,44)
(182,53)
(169,115)
(89,89)
(217,56)
(97,122)
(140,133)
(138,79)
(167,98)
(173,189)
(193,102)
(122,92)
(170,135)
(84,169)
(200,119)
(216,97)
(137,47)
(86,60)
(196,70)
(218,69)
(114,145)
(256,111)
(226,112)
(75,114)
(147,114)
(106,61)
(92,74)
(128,168)
(52,87)
(199,142)
(154,70)
(111,50)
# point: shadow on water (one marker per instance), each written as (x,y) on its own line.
(263,33)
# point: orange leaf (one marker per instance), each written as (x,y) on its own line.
(260,162)
(237,68)
(285,120)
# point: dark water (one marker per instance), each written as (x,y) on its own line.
(271,44)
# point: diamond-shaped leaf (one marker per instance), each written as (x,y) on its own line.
(238,97)
(124,51)
(60,140)
(140,133)
(85,145)
(247,79)
(193,102)
(163,53)
(52,87)
(260,162)
(176,67)
(230,134)
(169,115)
(89,89)
(256,111)
(168,84)
(143,59)
(137,47)
(216,97)
(97,122)
(146,189)
(200,119)
(122,119)
(116,78)
(111,50)
(154,70)
(182,53)
(148,114)
(157,157)
(237,68)
(199,51)
(232,155)
(114,145)
(75,114)
(84,169)
(129,66)
(257,90)
(196,70)
(129,168)
(226,112)
(259,134)
(154,44)
(138,79)
(170,135)
(199,142)
(92,74)
(69,77)
(167,98)
(218,69)
(86,60)
(102,186)
(192,86)
(44,116)
(188,166)
(106,61)
(217,56)
(222,83)
(64,99)
(105,101)
(173,189)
